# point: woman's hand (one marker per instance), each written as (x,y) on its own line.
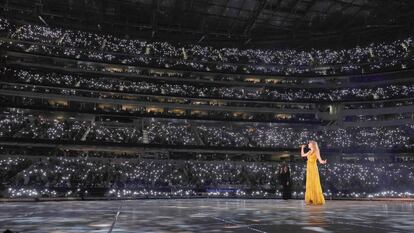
(323,161)
(302,151)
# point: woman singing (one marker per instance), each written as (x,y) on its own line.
(313,194)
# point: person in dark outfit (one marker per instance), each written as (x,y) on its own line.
(8,231)
(284,179)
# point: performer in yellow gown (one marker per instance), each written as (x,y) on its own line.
(313,194)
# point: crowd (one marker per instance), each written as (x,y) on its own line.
(84,176)
(88,176)
(16,123)
(267,93)
(107,48)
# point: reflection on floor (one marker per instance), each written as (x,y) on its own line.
(208,215)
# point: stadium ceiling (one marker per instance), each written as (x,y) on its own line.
(235,21)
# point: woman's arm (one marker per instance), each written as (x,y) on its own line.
(318,156)
(302,151)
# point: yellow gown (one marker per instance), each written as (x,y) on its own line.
(313,194)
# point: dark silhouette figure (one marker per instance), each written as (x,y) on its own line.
(9,231)
(284,179)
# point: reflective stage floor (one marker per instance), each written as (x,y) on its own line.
(207,215)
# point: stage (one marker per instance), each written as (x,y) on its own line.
(207,215)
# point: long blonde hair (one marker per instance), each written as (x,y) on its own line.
(316,148)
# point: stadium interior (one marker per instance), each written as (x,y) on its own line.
(206,100)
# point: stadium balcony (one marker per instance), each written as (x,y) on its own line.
(87,46)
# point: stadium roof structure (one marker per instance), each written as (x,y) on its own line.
(237,22)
